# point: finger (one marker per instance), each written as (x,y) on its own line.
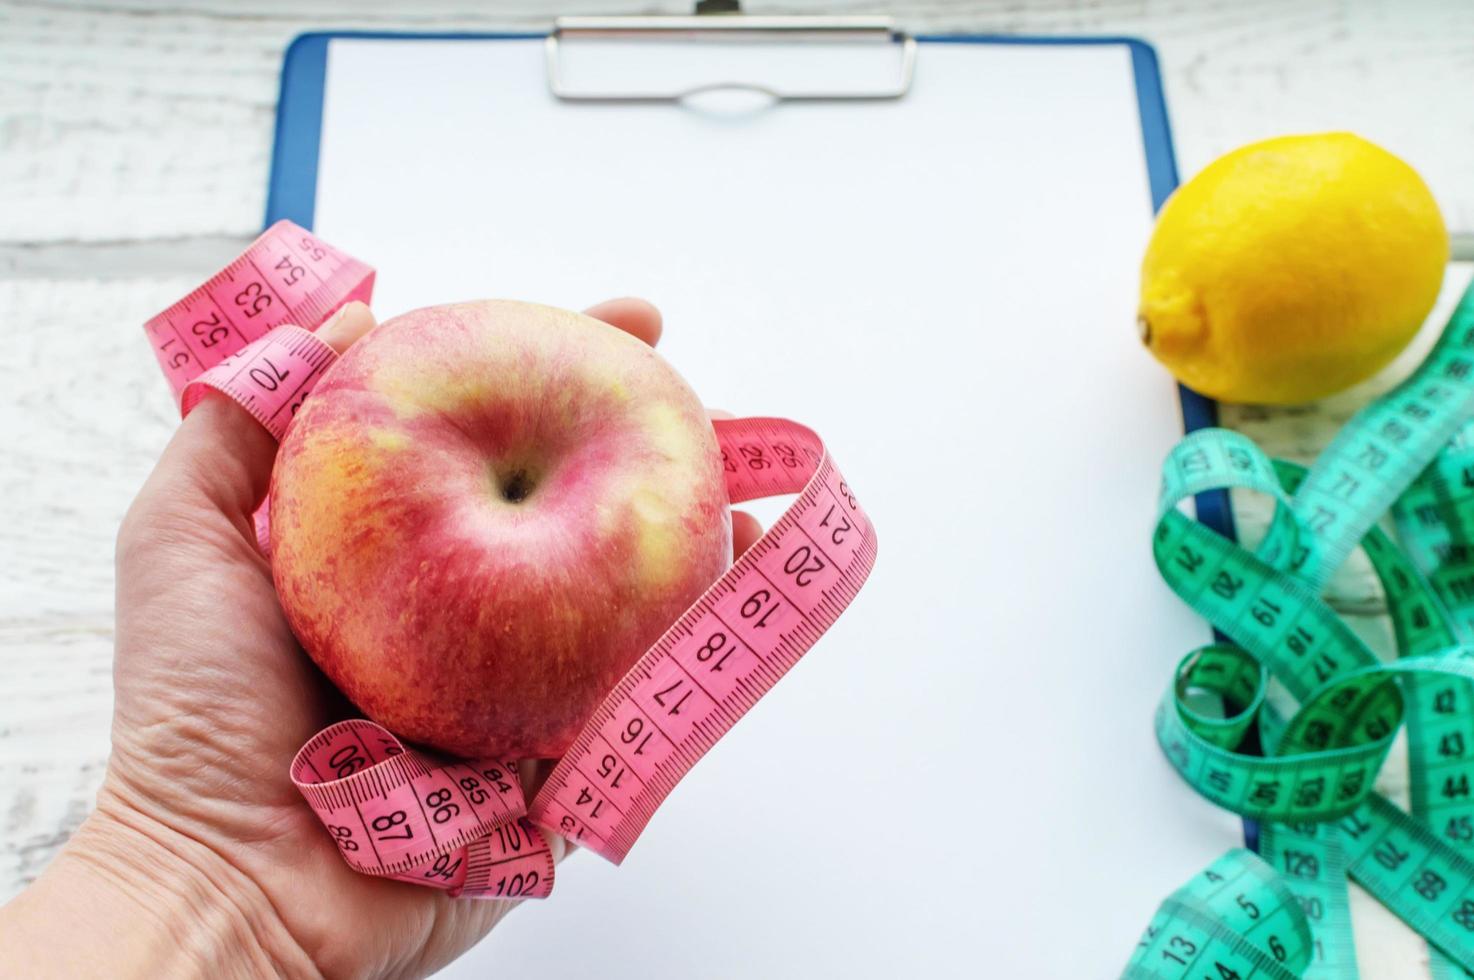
(533,773)
(344,327)
(633,316)
(745,532)
(223,453)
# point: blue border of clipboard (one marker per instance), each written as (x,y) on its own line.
(293,187)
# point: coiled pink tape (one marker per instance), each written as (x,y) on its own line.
(285,276)
(405,815)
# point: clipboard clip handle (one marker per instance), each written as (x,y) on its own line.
(721,22)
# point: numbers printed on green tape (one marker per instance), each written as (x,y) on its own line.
(1436,520)
(1235,919)
(1309,780)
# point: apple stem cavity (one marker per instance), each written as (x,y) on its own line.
(516,486)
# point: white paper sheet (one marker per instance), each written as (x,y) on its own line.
(944,287)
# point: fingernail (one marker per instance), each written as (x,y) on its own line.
(335,316)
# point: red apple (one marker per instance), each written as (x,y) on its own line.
(485,513)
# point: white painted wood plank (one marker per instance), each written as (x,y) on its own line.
(141,120)
(84,417)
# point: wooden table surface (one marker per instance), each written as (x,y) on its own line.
(135,138)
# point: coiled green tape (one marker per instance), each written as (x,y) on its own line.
(1308,777)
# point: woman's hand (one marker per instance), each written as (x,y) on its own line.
(202,857)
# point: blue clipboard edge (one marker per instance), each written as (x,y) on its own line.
(292,191)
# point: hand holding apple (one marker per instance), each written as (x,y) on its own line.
(197,820)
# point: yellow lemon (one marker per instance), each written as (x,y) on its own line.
(1290,269)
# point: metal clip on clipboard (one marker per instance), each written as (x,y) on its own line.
(875,59)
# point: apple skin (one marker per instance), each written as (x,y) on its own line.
(486,513)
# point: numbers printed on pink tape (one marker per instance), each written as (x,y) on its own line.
(270,378)
(728,649)
(287,275)
(405,815)
(464,826)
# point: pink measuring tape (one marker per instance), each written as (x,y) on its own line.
(286,277)
(464,826)
(402,814)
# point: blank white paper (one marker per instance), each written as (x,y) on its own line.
(944,288)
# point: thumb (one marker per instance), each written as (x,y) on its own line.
(221,456)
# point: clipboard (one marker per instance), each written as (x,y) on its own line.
(682,911)
(292,190)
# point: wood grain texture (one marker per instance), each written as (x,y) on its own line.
(135,139)
(136,120)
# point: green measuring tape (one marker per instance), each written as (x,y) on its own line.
(1307,774)
(1236,919)
(1440,546)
